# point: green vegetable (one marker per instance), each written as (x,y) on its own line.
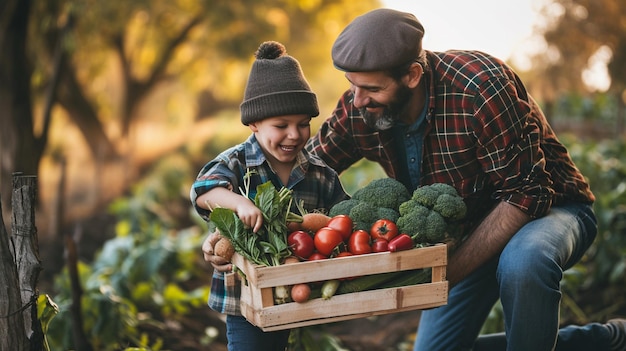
(431,228)
(412,277)
(383,192)
(432,214)
(443,188)
(363,214)
(387,213)
(379,199)
(425,196)
(385,280)
(435,227)
(269,245)
(450,206)
(342,207)
(366,282)
(329,288)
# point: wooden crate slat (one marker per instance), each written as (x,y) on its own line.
(258,307)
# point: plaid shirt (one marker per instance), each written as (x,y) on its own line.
(313,183)
(484,135)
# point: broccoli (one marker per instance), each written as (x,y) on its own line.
(363,215)
(342,207)
(387,213)
(424,225)
(412,218)
(425,196)
(443,188)
(383,192)
(412,206)
(450,206)
(432,213)
(435,227)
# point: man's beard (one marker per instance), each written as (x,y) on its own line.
(391,112)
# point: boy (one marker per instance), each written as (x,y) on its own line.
(278,106)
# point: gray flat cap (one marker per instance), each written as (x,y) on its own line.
(379,40)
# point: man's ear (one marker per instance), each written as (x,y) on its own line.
(416,72)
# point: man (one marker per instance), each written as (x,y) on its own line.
(464,118)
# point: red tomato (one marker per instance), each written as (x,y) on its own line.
(327,240)
(317,256)
(301,243)
(343,224)
(384,229)
(345,254)
(359,243)
(380,245)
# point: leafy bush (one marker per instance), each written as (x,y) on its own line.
(148,276)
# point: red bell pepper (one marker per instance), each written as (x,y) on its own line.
(401,242)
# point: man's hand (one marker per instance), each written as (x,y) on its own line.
(219,263)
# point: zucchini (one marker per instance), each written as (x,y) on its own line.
(412,277)
(329,288)
(367,282)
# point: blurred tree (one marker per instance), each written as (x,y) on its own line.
(99,62)
(576,31)
(16,135)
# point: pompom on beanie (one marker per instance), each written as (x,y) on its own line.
(378,40)
(276,86)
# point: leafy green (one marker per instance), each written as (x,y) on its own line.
(269,245)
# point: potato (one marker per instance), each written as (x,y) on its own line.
(224,248)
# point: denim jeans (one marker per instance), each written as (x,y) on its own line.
(244,336)
(525,277)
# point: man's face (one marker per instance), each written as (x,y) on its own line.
(380,99)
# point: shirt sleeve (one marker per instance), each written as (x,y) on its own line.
(214,174)
(509,150)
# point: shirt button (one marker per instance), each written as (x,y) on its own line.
(412,159)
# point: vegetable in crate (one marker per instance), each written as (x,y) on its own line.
(300,292)
(384,229)
(383,192)
(301,244)
(432,214)
(224,248)
(378,199)
(269,245)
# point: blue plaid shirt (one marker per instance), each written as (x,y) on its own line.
(314,184)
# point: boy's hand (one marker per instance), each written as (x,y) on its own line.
(250,215)
(218,262)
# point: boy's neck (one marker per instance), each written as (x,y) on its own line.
(283,171)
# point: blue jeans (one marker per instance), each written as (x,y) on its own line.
(525,277)
(244,336)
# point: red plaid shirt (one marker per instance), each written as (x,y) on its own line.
(485,136)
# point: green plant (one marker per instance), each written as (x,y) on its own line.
(141,280)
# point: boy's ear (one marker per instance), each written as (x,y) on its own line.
(253,127)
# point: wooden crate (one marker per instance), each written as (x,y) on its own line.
(257,303)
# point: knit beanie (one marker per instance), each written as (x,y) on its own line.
(378,40)
(276,86)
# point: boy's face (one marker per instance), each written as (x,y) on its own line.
(282,137)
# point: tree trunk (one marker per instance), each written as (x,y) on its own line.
(26,246)
(11,320)
(19,268)
(19,148)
